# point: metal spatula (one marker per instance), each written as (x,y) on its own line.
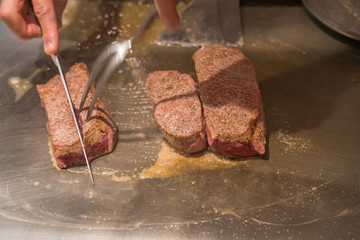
(113,55)
(207,22)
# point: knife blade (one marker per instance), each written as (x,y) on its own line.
(57,63)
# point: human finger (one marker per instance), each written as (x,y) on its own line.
(168,13)
(18,17)
(45,13)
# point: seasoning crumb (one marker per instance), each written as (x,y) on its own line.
(294,143)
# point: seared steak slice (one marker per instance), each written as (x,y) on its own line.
(177,109)
(99,133)
(232,105)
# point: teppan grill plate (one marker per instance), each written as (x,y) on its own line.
(307,188)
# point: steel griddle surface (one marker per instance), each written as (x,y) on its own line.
(308,188)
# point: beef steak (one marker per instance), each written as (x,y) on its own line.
(232,105)
(177,109)
(99,133)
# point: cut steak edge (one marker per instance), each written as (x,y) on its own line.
(232,104)
(99,133)
(177,109)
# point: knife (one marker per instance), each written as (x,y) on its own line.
(57,63)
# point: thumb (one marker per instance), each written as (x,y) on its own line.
(45,13)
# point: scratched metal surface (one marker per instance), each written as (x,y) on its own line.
(307,189)
(342,16)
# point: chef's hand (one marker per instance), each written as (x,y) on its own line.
(168,14)
(23,20)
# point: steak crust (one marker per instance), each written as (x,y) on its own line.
(177,109)
(99,133)
(232,105)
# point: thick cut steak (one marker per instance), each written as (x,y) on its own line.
(232,105)
(99,133)
(177,109)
